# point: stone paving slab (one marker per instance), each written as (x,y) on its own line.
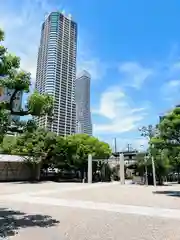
(89,212)
(99,206)
(33,188)
(127,194)
(73,224)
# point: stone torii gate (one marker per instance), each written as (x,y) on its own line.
(121,171)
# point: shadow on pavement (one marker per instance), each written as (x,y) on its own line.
(12,221)
(28,182)
(169,193)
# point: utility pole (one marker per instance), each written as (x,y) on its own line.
(115,145)
(129,147)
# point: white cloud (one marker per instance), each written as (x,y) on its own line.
(119,112)
(134,74)
(87,60)
(94,66)
(140,144)
(22,28)
(169,77)
(170,91)
(173,84)
(175,66)
(22,31)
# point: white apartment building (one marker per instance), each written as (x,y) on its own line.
(56,71)
(82,96)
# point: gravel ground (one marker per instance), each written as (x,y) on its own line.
(128,194)
(23,217)
(26,187)
(73,224)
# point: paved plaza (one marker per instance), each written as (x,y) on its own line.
(71,211)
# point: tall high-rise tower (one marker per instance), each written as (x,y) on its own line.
(82,96)
(56,71)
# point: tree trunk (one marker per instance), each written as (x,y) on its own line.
(82,174)
(178,174)
(1,138)
(160,180)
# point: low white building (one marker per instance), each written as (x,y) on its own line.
(15,168)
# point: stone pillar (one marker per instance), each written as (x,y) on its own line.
(121,159)
(89,168)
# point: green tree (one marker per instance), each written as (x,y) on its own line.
(157,162)
(16,81)
(77,151)
(62,154)
(142,163)
(66,153)
(80,145)
(37,145)
(4,124)
(8,144)
(169,138)
(161,161)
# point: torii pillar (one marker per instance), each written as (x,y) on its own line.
(121,164)
(89,168)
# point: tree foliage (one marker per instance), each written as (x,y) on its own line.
(169,138)
(8,144)
(141,162)
(81,145)
(16,81)
(148,131)
(164,145)
(69,152)
(157,150)
(169,127)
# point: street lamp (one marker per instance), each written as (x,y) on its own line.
(149,132)
(153,166)
(146,172)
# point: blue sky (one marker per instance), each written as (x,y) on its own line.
(131,49)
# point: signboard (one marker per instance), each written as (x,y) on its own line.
(5,95)
(1,94)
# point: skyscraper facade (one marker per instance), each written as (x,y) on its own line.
(56,72)
(82,96)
